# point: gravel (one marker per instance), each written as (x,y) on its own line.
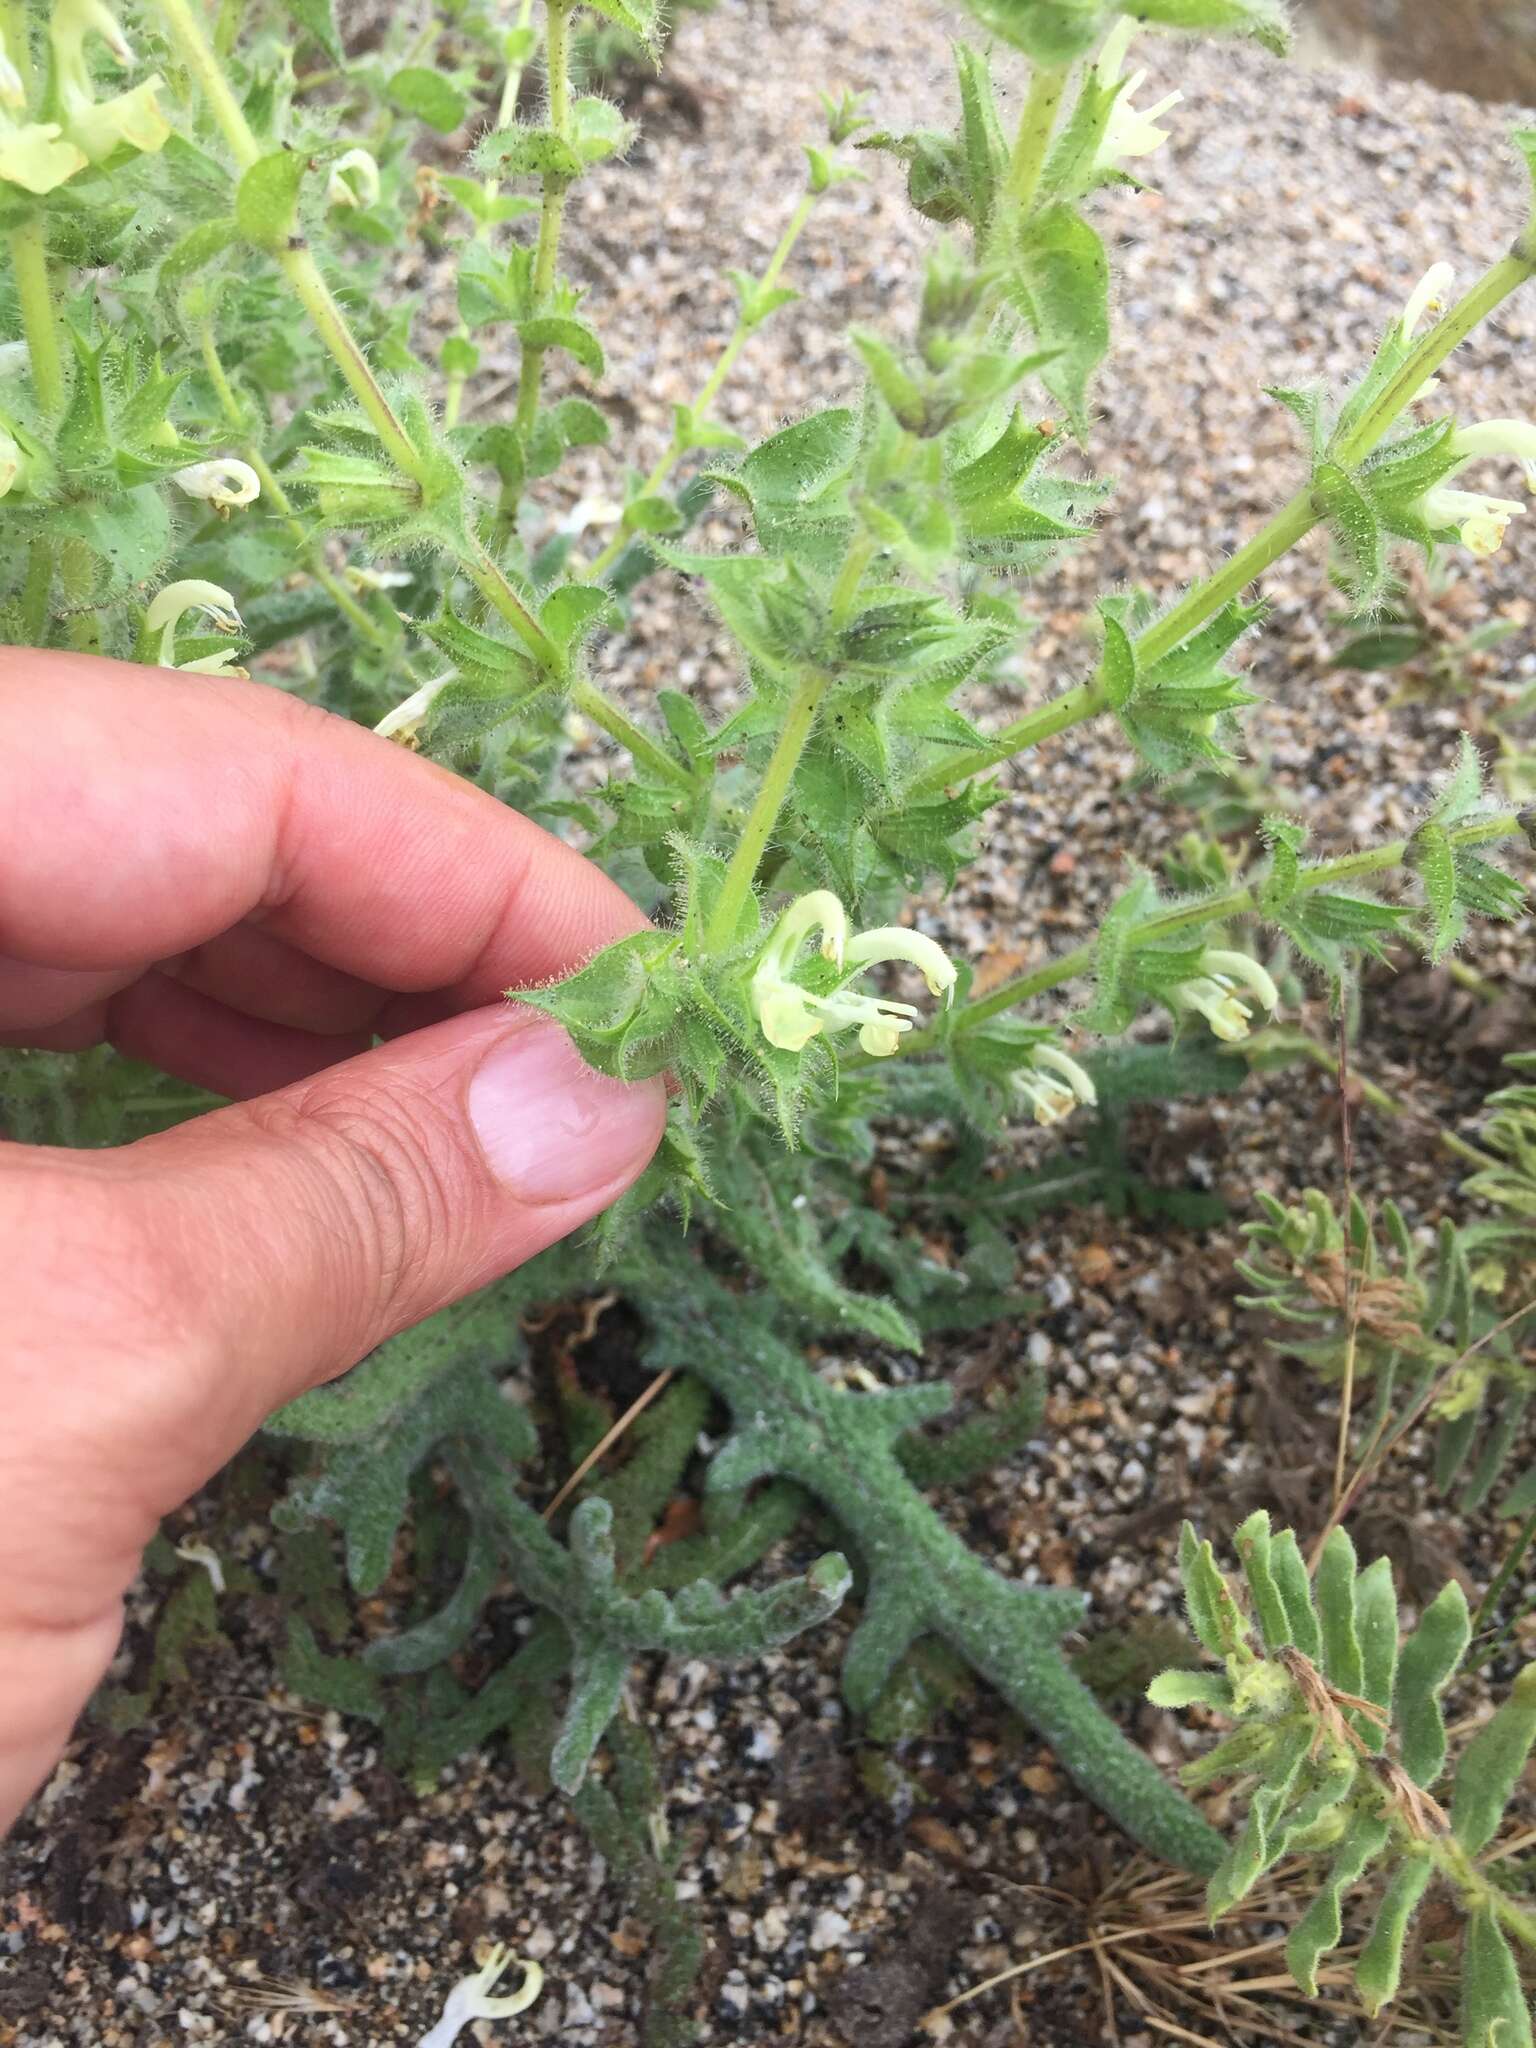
(239,1839)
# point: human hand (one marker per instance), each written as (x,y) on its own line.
(222,880)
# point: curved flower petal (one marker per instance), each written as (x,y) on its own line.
(223,481)
(409,716)
(1428,296)
(787,1017)
(36,157)
(354,180)
(1227,967)
(895,942)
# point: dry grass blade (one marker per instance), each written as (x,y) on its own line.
(277,1994)
(602,1448)
(1155,1952)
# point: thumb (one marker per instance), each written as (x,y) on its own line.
(287,1236)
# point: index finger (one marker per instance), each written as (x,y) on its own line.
(143,811)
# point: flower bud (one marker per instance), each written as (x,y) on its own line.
(223,481)
(12,463)
(1428,296)
(170,606)
(354,180)
(1127,133)
(404,723)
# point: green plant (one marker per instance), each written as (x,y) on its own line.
(1417,629)
(1340,1741)
(1443,1338)
(191,474)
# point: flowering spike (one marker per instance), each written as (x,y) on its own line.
(96,128)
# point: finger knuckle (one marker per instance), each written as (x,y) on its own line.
(380,1191)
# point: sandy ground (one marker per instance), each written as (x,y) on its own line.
(239,1838)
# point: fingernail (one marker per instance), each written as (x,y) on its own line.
(553,1130)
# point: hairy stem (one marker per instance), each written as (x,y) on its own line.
(766,805)
(35,592)
(330,323)
(785,758)
(275,496)
(1225,904)
(552,212)
(505,111)
(39,317)
(197,53)
(1490,291)
(1037,124)
(1276,538)
(709,390)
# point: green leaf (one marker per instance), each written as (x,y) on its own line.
(130,536)
(1214,1615)
(1117,668)
(599,130)
(1264,20)
(982,147)
(1376,1628)
(1524,140)
(1321,1926)
(622,1008)
(759,300)
(652,515)
(1191,1689)
(1432,854)
(197,248)
(1494,2012)
(1380,1965)
(1342,1665)
(1491,1764)
(640,17)
(900,390)
(571,612)
(1428,1660)
(267,198)
(429,96)
(1054,32)
(527,152)
(1290,1576)
(1252,1544)
(1059,279)
(318,20)
(563,330)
